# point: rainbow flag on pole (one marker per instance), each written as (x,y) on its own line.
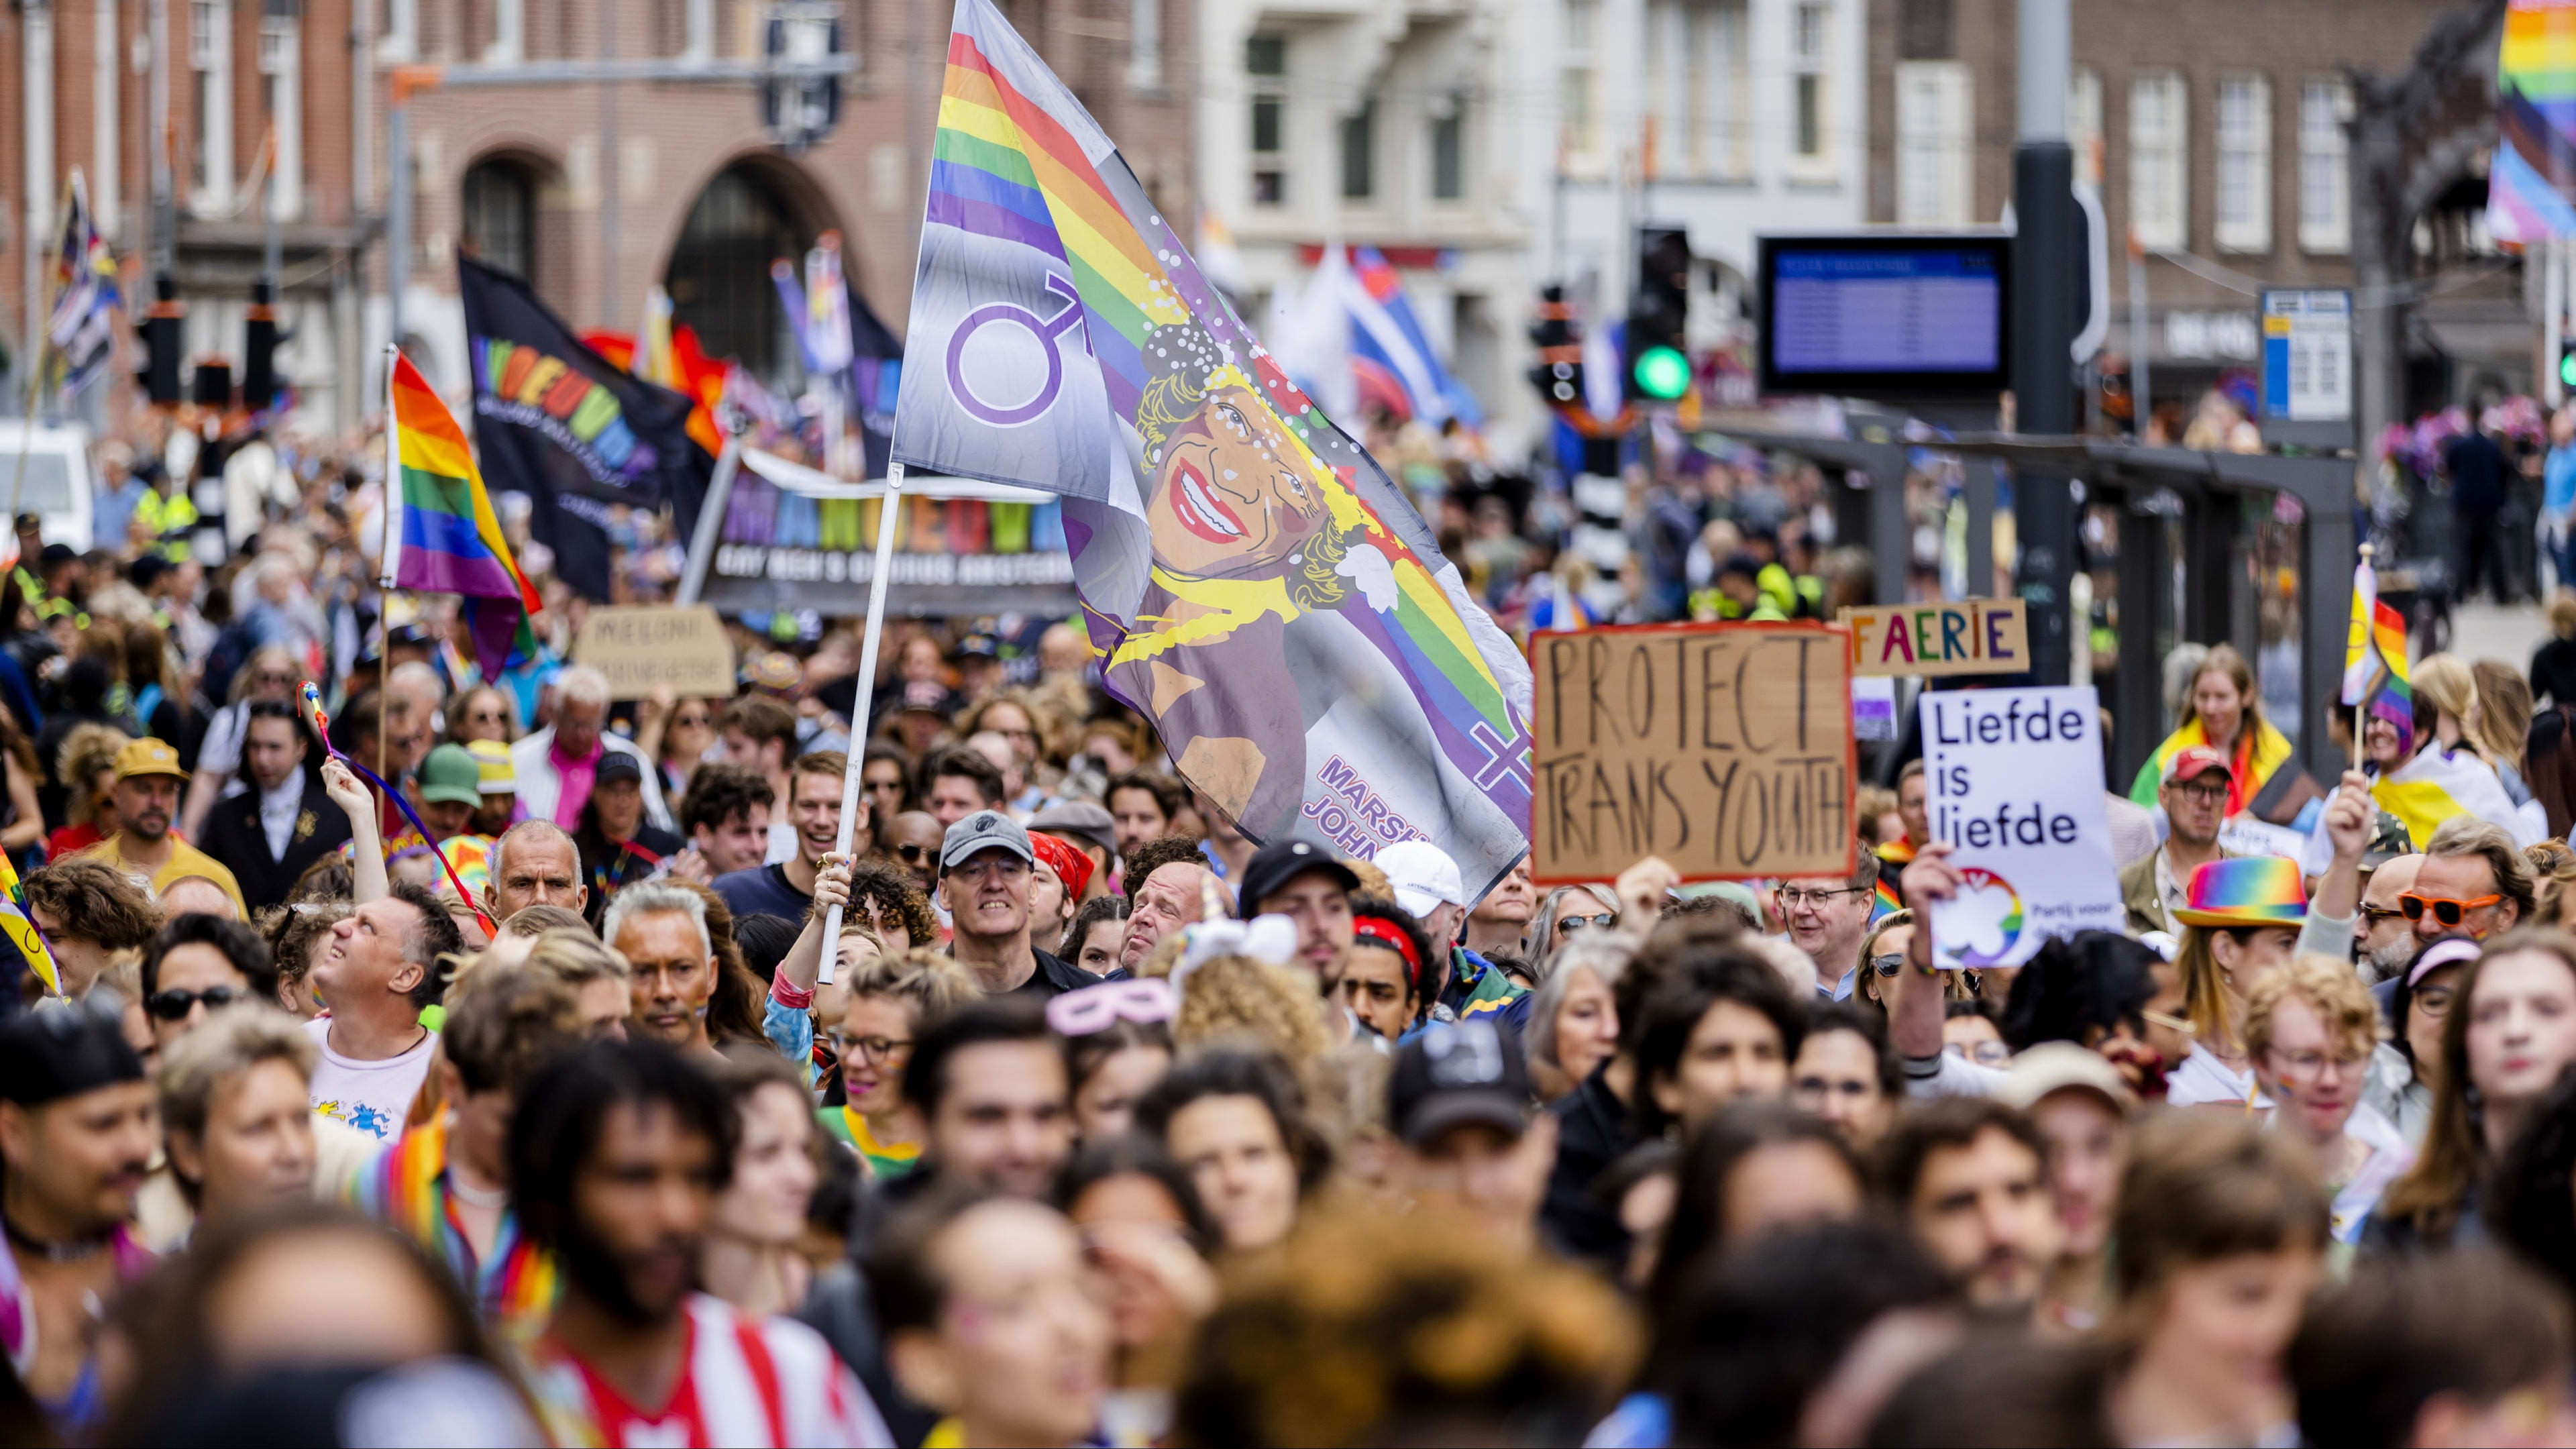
(20,926)
(1252,580)
(441,535)
(2374,660)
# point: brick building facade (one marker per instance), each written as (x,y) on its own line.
(690,192)
(2228,161)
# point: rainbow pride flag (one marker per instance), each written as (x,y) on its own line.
(2531,181)
(20,926)
(441,535)
(2374,660)
(1251,579)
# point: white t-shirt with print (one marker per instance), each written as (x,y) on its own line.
(371,1098)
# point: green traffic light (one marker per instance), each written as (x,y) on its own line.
(1662,372)
(2567,368)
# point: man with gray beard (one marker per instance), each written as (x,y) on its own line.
(2387,944)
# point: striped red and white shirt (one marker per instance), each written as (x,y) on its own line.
(757,1383)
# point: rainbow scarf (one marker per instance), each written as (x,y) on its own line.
(441,535)
(406,1188)
(2259,751)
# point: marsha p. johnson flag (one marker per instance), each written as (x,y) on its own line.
(441,535)
(1251,579)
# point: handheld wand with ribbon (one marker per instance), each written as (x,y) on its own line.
(322,727)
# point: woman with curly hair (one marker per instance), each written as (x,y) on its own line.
(85,762)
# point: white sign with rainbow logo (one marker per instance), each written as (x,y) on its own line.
(2015,779)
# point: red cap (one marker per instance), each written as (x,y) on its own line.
(2194,762)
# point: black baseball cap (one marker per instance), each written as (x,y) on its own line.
(613,766)
(64,1050)
(1281,861)
(1458,1074)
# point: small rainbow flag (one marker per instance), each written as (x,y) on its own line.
(2374,668)
(441,535)
(20,924)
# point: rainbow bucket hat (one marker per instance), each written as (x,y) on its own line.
(2261,890)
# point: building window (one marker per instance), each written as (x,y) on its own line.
(2325,170)
(2244,219)
(281,72)
(1580,133)
(501,215)
(718,276)
(1449,150)
(1265,58)
(1936,157)
(1359,153)
(2084,123)
(1695,86)
(1145,44)
(1807,39)
(2159,129)
(210,103)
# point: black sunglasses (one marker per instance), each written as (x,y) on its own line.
(914,854)
(174,1004)
(1887,965)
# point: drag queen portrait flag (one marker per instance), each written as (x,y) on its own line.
(1252,581)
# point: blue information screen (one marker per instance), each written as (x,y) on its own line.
(1932,309)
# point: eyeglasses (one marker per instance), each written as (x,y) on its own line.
(2373,915)
(175,1004)
(914,854)
(1795,897)
(2435,1001)
(2445,909)
(2204,794)
(1568,925)
(2309,1064)
(1984,1053)
(869,1049)
(1887,965)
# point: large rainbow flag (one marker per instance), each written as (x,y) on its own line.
(19,924)
(2531,183)
(441,535)
(1251,579)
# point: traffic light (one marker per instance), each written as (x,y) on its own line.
(1655,361)
(211,385)
(798,111)
(159,331)
(1559,373)
(259,348)
(2567,363)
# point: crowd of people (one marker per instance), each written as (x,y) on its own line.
(538,1102)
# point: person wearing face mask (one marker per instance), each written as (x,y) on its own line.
(2508,1034)
(750,1258)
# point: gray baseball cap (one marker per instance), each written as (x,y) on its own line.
(984,830)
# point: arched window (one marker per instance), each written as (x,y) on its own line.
(501,214)
(719,275)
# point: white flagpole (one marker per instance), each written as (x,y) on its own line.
(859,709)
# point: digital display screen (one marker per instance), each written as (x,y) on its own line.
(1884,313)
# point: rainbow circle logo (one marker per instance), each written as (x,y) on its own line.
(1977,879)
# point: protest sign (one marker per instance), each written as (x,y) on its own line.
(1962,636)
(2015,780)
(642,647)
(1726,749)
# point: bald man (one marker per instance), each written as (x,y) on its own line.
(1172,897)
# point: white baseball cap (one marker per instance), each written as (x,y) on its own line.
(1423,875)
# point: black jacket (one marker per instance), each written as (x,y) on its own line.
(1593,1130)
(233,836)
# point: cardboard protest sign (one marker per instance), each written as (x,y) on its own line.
(2015,779)
(1726,749)
(1962,636)
(640,647)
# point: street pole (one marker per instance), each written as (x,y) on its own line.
(397,209)
(2044,256)
(164,217)
(608,167)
